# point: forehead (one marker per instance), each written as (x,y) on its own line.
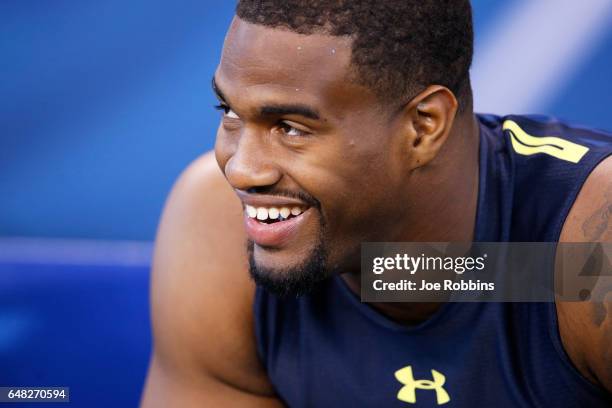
(259,62)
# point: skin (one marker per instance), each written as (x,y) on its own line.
(349,131)
(586,327)
(380,173)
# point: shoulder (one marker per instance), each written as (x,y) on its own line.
(590,218)
(586,327)
(203,208)
(201,292)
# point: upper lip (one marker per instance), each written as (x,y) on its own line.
(262,200)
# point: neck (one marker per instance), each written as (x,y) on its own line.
(445,192)
(442,210)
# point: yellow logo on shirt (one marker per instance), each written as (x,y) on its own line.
(526,144)
(408,392)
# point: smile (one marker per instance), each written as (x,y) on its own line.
(275,227)
(271,215)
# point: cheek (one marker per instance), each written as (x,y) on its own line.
(355,184)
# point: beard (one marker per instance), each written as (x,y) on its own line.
(294,281)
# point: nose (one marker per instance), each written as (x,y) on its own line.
(251,163)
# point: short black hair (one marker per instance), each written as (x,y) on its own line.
(399,46)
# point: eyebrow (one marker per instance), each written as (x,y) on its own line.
(274,110)
(290,109)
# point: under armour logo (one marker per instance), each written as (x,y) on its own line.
(408,391)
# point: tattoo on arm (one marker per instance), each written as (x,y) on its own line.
(599,222)
(600,266)
(602,310)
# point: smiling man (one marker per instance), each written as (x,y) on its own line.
(346,122)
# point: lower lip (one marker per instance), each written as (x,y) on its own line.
(276,234)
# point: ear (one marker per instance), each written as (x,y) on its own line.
(429,119)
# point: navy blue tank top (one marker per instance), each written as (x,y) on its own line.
(327,349)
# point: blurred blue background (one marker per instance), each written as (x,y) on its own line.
(103,103)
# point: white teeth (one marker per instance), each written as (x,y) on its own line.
(285,212)
(273,213)
(251,211)
(262,214)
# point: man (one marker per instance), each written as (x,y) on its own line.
(347,122)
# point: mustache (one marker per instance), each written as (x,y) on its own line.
(281,192)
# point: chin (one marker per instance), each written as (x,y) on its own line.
(288,273)
(281,259)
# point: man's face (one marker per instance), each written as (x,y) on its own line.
(317,160)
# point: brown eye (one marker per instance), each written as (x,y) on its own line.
(289,130)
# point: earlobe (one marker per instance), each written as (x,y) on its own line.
(432,113)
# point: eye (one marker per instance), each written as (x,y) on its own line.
(227,112)
(290,130)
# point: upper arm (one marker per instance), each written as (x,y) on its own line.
(586,327)
(201,300)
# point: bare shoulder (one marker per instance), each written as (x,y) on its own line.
(586,327)
(201,296)
(590,219)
